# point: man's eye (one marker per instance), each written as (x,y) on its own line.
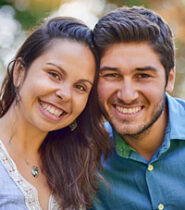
(81,87)
(55,75)
(111,75)
(143,76)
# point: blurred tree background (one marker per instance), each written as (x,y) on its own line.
(19,17)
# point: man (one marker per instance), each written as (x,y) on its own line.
(146,169)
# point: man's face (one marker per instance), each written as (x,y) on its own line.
(131,87)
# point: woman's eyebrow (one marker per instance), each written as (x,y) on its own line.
(64,72)
(61,69)
(86,80)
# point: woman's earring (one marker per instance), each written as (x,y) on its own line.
(17,97)
(73,125)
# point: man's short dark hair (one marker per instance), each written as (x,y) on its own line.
(136,24)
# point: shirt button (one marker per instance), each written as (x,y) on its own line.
(150,167)
(161,207)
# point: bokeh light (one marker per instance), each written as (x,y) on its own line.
(88,11)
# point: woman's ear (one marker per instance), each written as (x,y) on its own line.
(18,73)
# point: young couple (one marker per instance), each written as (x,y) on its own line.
(63,83)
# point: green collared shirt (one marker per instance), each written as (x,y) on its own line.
(122,148)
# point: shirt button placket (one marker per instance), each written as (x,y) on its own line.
(151,168)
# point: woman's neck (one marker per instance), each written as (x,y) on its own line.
(14,130)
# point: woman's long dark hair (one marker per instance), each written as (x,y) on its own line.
(69,158)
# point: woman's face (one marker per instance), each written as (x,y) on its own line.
(57,85)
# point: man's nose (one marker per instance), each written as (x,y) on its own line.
(127,91)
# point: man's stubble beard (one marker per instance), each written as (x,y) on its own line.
(160,107)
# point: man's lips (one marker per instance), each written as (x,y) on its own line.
(128,110)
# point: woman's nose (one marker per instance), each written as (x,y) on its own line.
(64,92)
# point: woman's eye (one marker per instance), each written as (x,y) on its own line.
(81,87)
(55,75)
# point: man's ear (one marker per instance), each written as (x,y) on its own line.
(18,73)
(171,81)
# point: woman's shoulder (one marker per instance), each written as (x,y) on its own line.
(10,194)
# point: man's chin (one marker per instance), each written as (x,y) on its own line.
(125,129)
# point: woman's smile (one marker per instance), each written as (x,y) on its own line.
(51,111)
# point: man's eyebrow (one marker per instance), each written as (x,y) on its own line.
(108,68)
(64,72)
(146,68)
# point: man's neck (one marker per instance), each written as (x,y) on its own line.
(148,142)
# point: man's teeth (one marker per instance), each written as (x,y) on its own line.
(128,110)
(51,109)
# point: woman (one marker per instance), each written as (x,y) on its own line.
(48,160)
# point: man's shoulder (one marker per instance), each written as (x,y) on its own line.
(108,127)
(176,109)
(176,104)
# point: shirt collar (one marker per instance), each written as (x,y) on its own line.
(122,148)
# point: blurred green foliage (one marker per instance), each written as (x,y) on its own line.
(34,13)
(120,3)
(173,11)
